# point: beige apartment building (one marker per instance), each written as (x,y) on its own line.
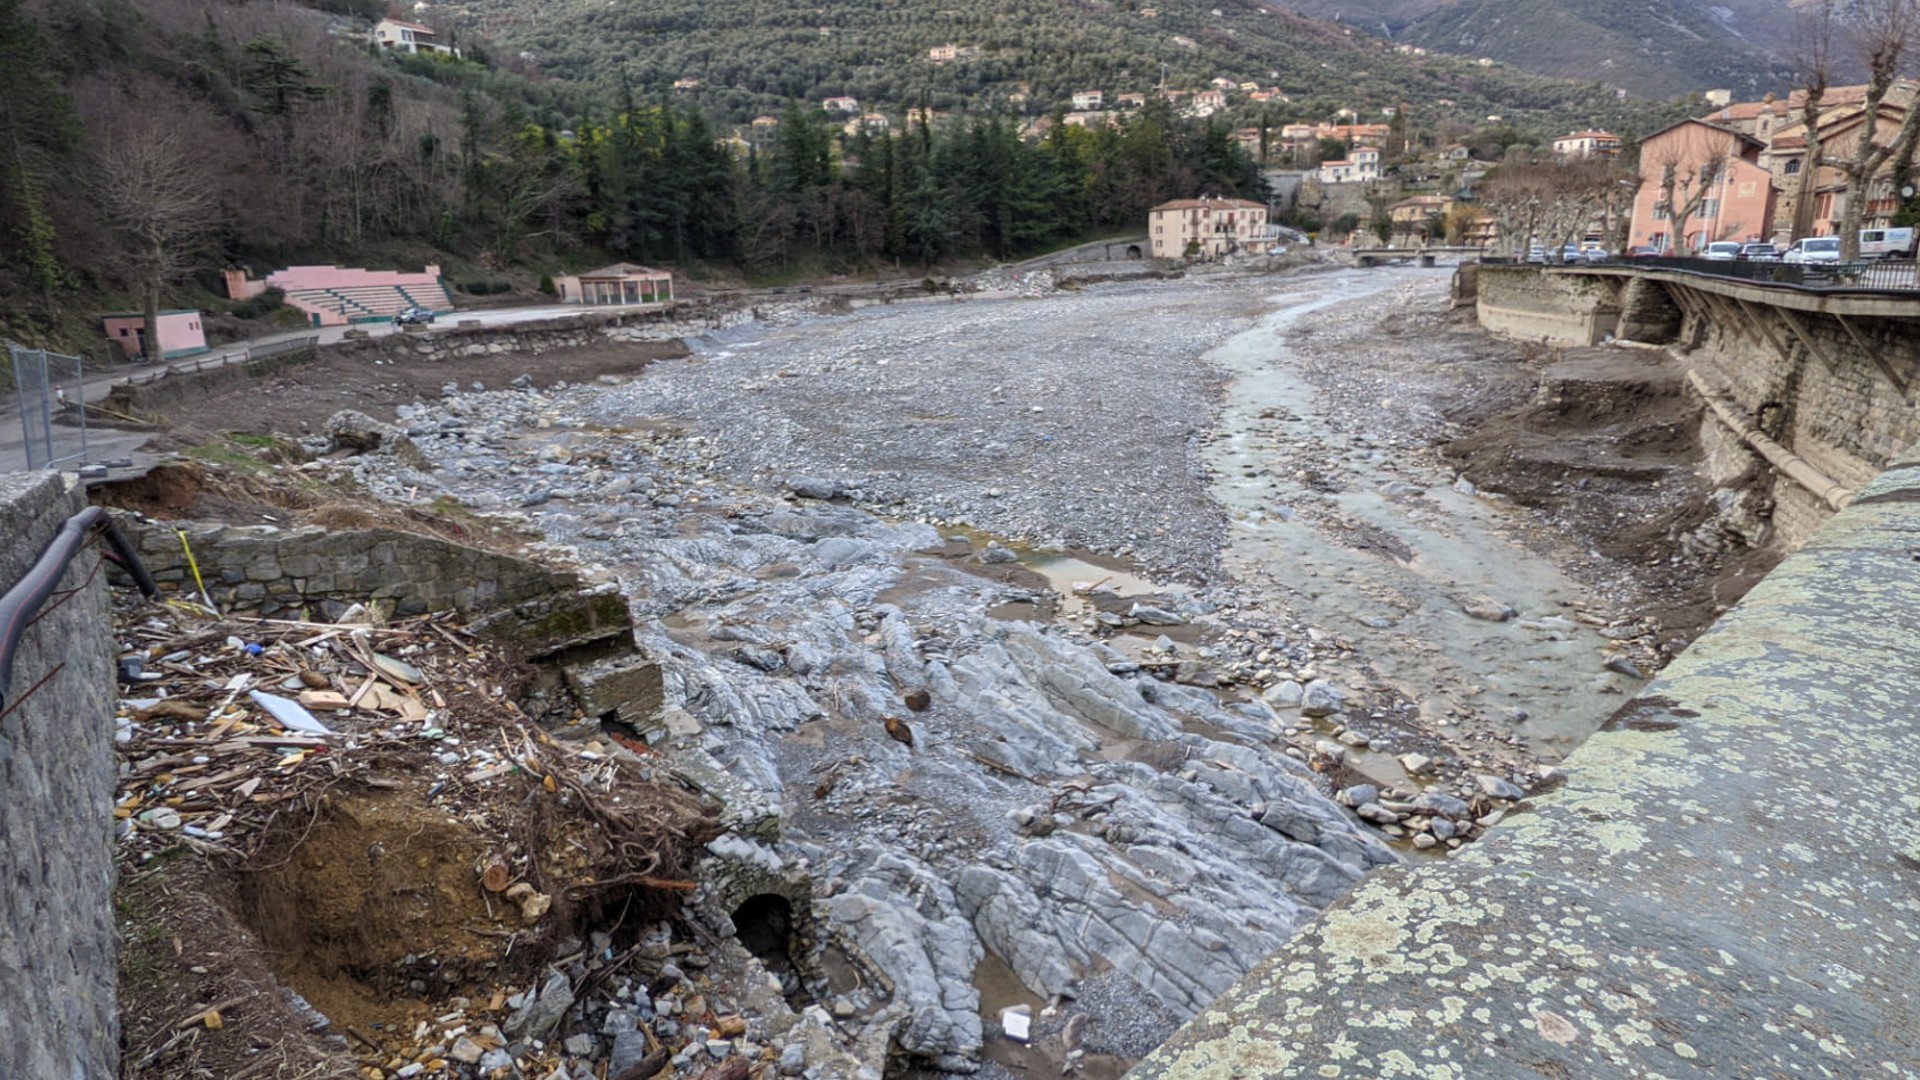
(1211,227)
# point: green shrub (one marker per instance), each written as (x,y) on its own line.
(266,303)
(486,287)
(546,284)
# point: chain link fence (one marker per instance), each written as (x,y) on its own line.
(53,418)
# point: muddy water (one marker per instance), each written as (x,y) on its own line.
(1378,548)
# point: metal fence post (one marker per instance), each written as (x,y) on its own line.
(39,388)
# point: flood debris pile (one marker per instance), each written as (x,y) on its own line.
(443,889)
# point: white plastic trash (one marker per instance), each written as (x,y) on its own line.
(1017,1022)
(289,714)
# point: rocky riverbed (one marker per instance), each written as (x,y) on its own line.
(1065,651)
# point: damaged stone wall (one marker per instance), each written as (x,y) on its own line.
(278,571)
(58,1016)
(1831,403)
(1555,307)
(1826,377)
(579,634)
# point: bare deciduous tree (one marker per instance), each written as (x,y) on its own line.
(1886,30)
(154,194)
(1814,76)
(1686,179)
(1555,202)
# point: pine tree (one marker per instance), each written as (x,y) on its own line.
(38,132)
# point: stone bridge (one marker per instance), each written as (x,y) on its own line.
(1727,882)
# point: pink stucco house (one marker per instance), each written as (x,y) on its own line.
(1714,169)
(337,295)
(180,332)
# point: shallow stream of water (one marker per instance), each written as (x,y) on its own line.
(1429,552)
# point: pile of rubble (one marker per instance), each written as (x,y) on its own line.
(553,869)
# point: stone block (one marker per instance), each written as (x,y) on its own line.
(300,565)
(627,686)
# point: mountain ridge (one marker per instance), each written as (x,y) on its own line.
(747,59)
(1660,47)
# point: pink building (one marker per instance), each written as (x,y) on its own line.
(337,295)
(180,333)
(1714,170)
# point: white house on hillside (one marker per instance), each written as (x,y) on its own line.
(1362,165)
(409,37)
(1586,144)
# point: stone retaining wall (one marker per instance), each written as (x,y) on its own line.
(1848,420)
(1724,885)
(1555,307)
(580,634)
(58,1014)
(276,571)
(1832,404)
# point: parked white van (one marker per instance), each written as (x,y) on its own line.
(1892,243)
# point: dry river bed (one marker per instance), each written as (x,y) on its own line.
(1065,651)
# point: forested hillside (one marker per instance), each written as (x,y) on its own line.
(147,144)
(750,57)
(1659,47)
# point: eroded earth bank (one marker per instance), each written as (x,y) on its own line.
(1072,649)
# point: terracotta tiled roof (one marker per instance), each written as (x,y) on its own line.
(1211,204)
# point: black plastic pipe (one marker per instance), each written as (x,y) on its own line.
(18,606)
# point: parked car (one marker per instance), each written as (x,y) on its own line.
(1814,249)
(1760,252)
(1721,251)
(413,316)
(1645,251)
(1536,254)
